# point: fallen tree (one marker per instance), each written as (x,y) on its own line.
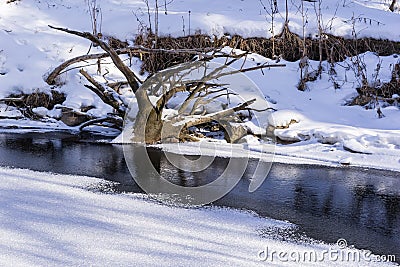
(151,124)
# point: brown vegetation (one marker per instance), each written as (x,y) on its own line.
(368,95)
(287,45)
(36,99)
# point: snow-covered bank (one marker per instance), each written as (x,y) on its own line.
(307,152)
(327,129)
(29,48)
(27,125)
(57,220)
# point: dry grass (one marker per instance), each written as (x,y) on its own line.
(288,45)
(368,95)
(154,62)
(38,99)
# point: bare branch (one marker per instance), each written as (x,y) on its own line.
(219,115)
(100,91)
(262,66)
(53,75)
(128,73)
(168,95)
(200,86)
(116,121)
(136,51)
(12,99)
(202,101)
(117,85)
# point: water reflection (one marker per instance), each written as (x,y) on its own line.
(360,205)
(63,153)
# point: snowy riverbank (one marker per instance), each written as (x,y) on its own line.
(327,130)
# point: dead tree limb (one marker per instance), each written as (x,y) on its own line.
(132,79)
(51,78)
(261,110)
(219,115)
(201,101)
(136,51)
(101,92)
(217,73)
(116,122)
(144,103)
(177,129)
(117,85)
(168,95)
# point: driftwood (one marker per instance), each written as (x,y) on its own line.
(149,124)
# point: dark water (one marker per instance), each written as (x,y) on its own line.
(360,205)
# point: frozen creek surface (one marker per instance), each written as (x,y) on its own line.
(360,205)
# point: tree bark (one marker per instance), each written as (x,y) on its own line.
(392,5)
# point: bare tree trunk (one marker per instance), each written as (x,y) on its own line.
(148,122)
(304,29)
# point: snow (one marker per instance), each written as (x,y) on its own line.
(40,111)
(9,112)
(29,48)
(222,17)
(283,118)
(58,220)
(306,152)
(327,129)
